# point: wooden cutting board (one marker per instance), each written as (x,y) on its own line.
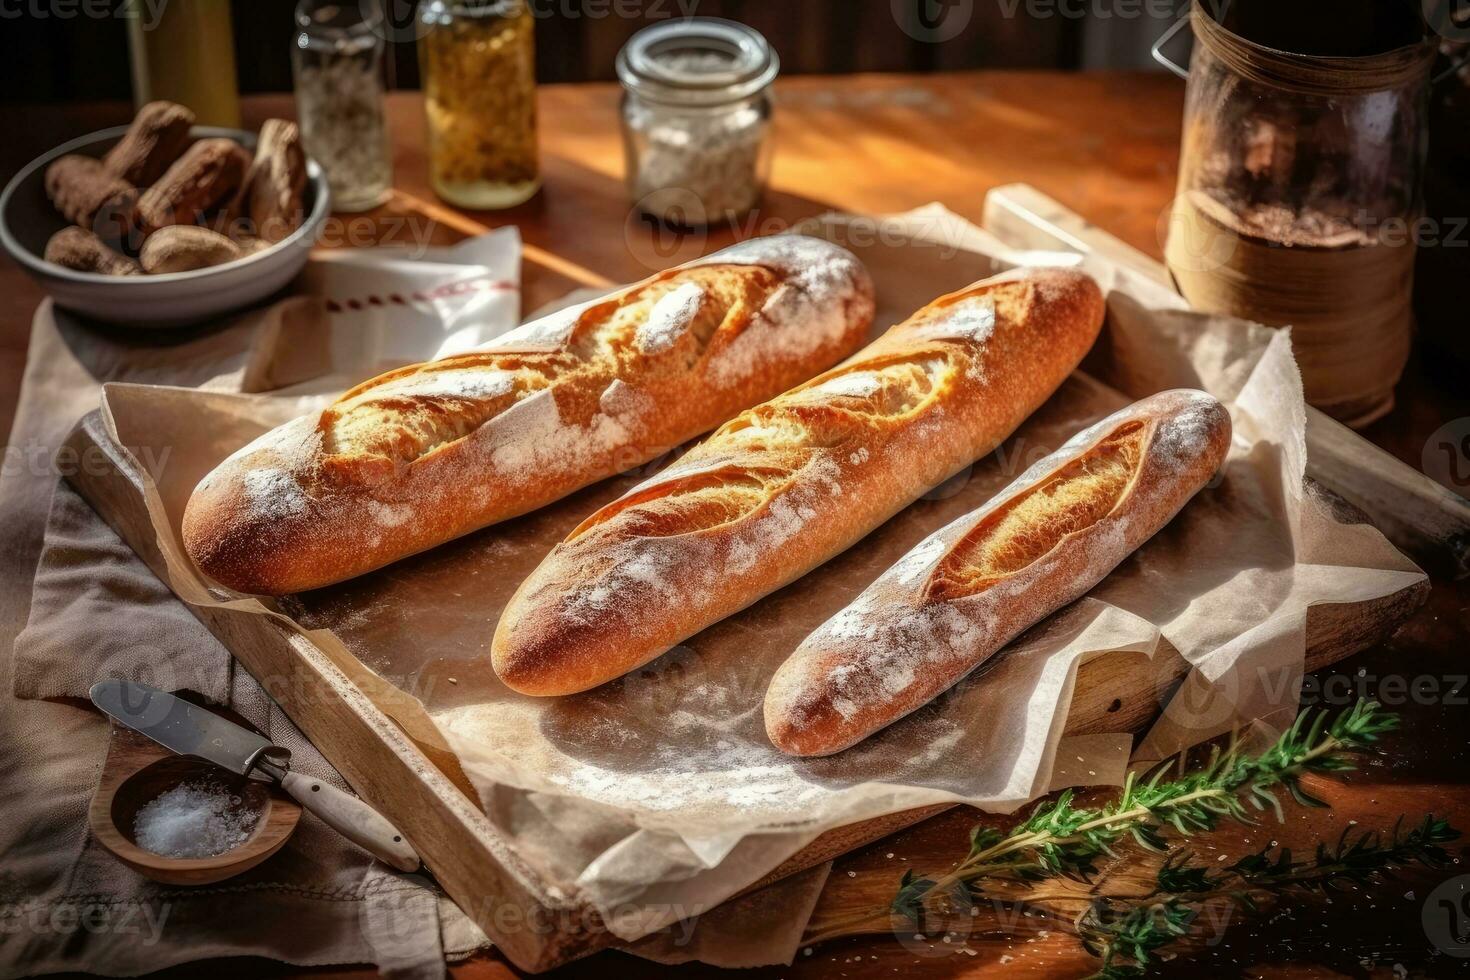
(387,748)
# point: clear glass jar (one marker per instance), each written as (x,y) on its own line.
(1300,181)
(697,119)
(478,60)
(337,64)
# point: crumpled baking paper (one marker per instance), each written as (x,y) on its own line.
(657,796)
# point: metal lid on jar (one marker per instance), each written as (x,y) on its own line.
(345,28)
(698,61)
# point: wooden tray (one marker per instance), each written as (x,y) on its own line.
(386,747)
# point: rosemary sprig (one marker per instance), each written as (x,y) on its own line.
(1128,940)
(1127,935)
(1059,838)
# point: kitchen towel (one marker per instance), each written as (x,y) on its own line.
(67,904)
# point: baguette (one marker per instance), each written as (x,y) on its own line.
(427,453)
(791,483)
(969,588)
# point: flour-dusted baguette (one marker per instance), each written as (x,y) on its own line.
(965,591)
(789,484)
(427,453)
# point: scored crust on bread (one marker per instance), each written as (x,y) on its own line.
(965,591)
(426,453)
(787,485)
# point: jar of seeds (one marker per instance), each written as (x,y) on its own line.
(697,119)
(337,63)
(478,59)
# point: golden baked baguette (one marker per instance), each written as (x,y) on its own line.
(965,591)
(427,453)
(789,484)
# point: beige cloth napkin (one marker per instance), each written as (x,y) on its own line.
(65,903)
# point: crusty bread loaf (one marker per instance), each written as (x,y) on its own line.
(789,484)
(965,591)
(424,454)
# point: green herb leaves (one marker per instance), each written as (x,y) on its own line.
(1060,839)
(1126,934)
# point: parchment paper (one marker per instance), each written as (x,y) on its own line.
(657,796)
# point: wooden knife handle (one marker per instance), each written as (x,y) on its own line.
(353,819)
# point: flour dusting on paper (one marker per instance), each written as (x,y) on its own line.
(663,786)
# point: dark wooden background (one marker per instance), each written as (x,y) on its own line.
(49,58)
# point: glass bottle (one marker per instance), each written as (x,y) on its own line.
(337,64)
(478,61)
(186,54)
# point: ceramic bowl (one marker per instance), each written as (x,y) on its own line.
(27,221)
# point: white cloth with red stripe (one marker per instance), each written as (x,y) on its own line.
(391,306)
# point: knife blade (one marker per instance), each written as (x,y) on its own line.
(180,726)
(191,730)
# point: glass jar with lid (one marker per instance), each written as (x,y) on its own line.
(478,60)
(337,65)
(696,119)
(1300,179)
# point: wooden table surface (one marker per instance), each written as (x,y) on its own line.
(1103,144)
